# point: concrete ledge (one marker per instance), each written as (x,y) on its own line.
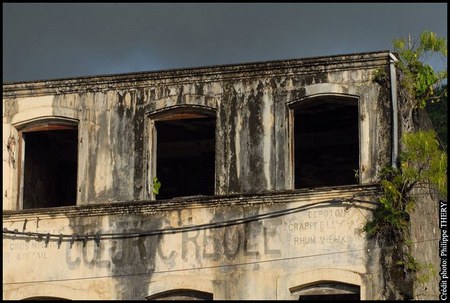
(148,207)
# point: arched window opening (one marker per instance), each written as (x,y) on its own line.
(49,164)
(44,298)
(185,154)
(182,294)
(328,291)
(326,142)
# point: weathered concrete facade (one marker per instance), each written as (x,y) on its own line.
(255,235)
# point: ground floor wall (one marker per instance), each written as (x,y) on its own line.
(267,246)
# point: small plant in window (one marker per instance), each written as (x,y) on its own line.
(156,186)
(356,171)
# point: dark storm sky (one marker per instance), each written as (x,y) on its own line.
(49,41)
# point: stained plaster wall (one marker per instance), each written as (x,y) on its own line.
(252,103)
(253,155)
(236,247)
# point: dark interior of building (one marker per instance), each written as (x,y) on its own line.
(186,157)
(50,168)
(182,295)
(330,291)
(326,144)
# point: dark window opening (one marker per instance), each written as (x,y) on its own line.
(183,294)
(186,156)
(326,143)
(45,299)
(342,297)
(50,168)
(330,291)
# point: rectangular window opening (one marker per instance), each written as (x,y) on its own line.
(50,168)
(326,144)
(185,156)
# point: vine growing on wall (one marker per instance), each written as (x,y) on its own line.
(422,160)
(422,165)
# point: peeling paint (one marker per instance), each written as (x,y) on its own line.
(268,124)
(253,104)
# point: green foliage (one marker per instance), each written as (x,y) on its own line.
(437,111)
(419,78)
(422,164)
(426,271)
(390,218)
(356,175)
(410,264)
(380,76)
(156,186)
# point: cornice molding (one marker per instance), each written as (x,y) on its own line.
(196,75)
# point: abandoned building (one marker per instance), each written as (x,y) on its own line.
(268,172)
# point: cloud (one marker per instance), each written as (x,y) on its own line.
(48,41)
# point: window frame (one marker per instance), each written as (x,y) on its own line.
(41,125)
(294,105)
(326,288)
(182,294)
(177,112)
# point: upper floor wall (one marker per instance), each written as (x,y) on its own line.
(216,130)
